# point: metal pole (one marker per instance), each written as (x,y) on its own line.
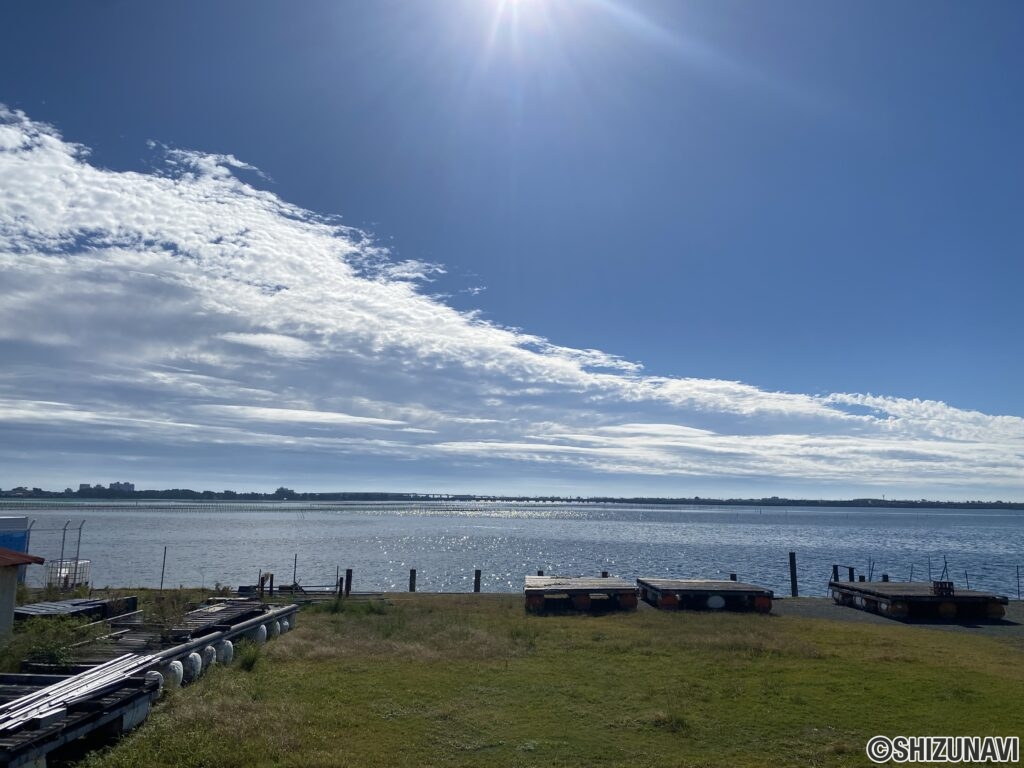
(1018,582)
(295,569)
(22,570)
(162,569)
(60,563)
(78,551)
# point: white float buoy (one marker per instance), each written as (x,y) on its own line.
(259,635)
(209,656)
(225,652)
(193,667)
(285,626)
(174,673)
(154,675)
(275,629)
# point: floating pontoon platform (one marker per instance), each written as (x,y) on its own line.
(553,593)
(109,686)
(78,607)
(919,600)
(705,595)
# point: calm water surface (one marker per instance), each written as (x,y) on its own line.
(445,542)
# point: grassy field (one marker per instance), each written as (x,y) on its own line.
(446,680)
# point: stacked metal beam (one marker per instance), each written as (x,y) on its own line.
(54,700)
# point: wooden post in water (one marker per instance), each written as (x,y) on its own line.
(339,588)
(348,581)
(540,573)
(476,580)
(1018,582)
(792,575)
(162,567)
(862,577)
(295,570)
(271,585)
(412,579)
(604,574)
(885,577)
(732,577)
(835,572)
(849,571)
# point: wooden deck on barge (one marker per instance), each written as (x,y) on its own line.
(705,595)
(919,600)
(561,593)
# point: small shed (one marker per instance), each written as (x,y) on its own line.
(10,562)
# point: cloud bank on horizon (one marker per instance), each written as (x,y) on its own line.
(182,326)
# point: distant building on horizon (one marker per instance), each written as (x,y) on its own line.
(126,487)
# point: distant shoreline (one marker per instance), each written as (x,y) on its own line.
(183,494)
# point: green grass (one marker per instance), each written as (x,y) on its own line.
(473,681)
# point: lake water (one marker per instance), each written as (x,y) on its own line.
(445,542)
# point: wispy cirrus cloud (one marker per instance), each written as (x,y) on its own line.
(200,320)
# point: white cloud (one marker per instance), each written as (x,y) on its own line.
(296,416)
(276,343)
(171,308)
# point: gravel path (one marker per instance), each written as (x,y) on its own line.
(1010,628)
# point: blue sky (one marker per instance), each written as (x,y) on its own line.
(577,246)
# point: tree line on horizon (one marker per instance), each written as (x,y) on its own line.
(287,494)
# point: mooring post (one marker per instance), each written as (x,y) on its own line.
(259,583)
(792,575)
(412,579)
(271,585)
(885,577)
(295,570)
(1018,582)
(862,577)
(540,573)
(348,581)
(849,571)
(339,587)
(835,572)
(604,574)
(732,577)
(476,580)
